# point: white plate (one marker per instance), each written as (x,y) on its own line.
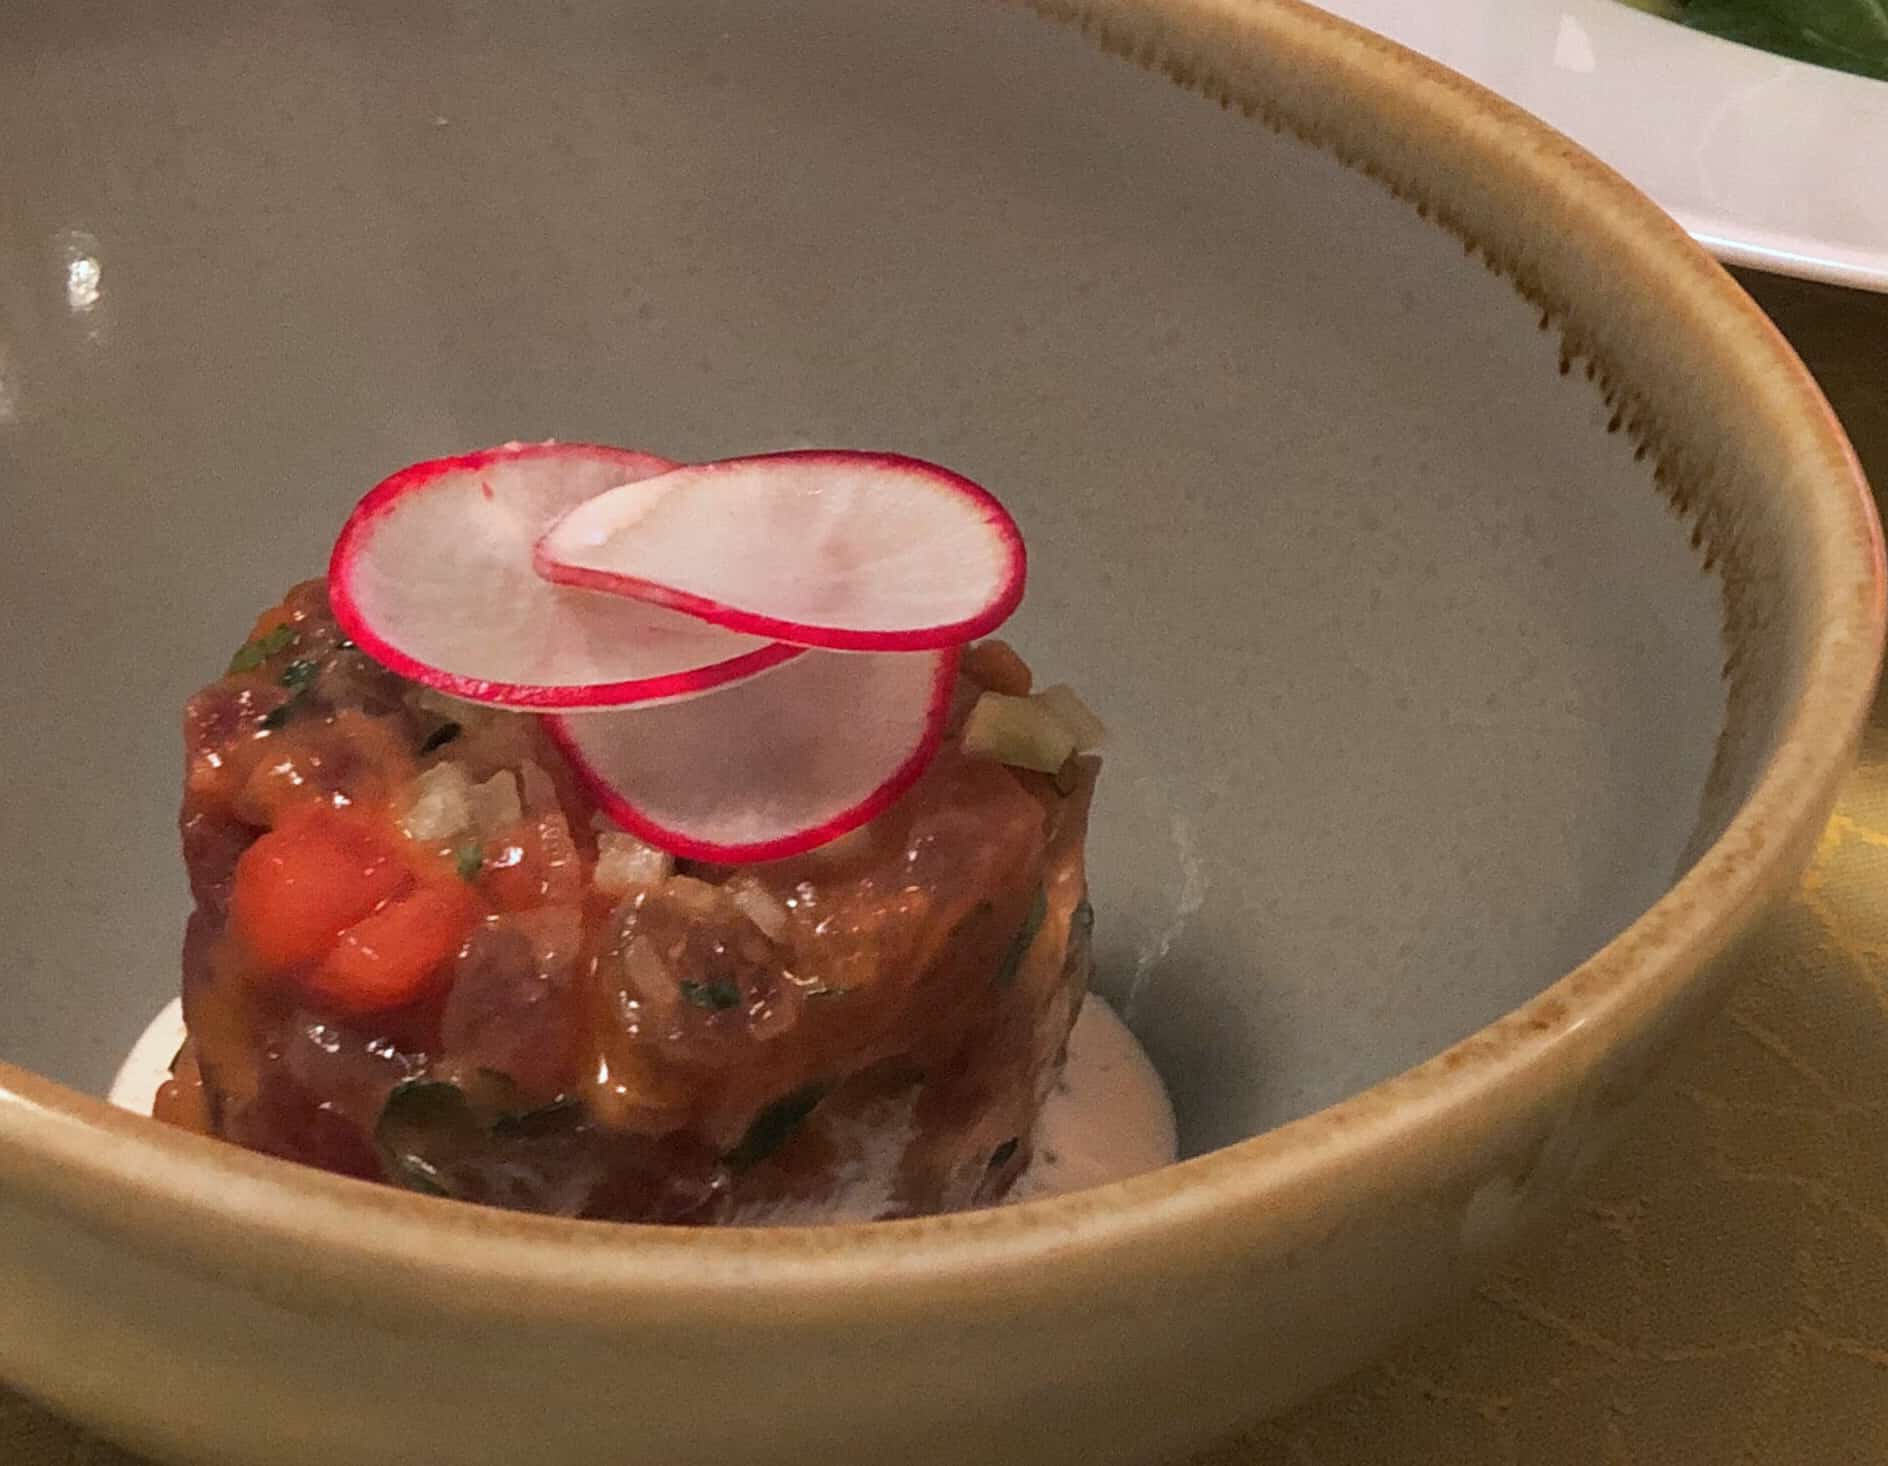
(1768,162)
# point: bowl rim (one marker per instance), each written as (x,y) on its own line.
(221,1211)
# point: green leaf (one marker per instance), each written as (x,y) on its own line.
(1024,939)
(423,1104)
(254,653)
(772,1126)
(440,737)
(561,1114)
(428,1126)
(300,673)
(418,1115)
(1846,35)
(278,717)
(470,859)
(716,997)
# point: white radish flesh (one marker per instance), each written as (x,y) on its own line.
(847,551)
(432,576)
(772,767)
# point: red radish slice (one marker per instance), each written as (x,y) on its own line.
(432,577)
(849,551)
(773,767)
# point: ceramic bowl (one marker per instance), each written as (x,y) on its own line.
(1482,598)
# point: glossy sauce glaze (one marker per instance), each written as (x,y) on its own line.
(420,955)
(1107,1118)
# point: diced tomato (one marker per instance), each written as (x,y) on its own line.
(998,667)
(181,1100)
(301,885)
(533,864)
(394,956)
(270,620)
(348,754)
(511,877)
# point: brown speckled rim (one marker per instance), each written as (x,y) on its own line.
(373,1252)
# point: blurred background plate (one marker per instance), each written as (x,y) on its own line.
(1769,162)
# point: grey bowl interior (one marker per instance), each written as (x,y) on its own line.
(1414,678)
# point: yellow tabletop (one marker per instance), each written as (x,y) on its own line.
(1719,1296)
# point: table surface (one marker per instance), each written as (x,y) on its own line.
(1719,1294)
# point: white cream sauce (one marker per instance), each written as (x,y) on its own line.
(1109,1116)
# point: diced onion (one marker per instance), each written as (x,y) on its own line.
(442,804)
(693,895)
(624,862)
(1017,731)
(540,793)
(759,906)
(494,805)
(1062,704)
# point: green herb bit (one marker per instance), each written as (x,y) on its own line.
(772,1127)
(440,737)
(470,859)
(425,1103)
(417,1115)
(277,717)
(559,1117)
(717,996)
(252,655)
(429,1130)
(1025,938)
(300,674)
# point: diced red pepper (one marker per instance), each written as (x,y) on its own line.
(302,884)
(399,954)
